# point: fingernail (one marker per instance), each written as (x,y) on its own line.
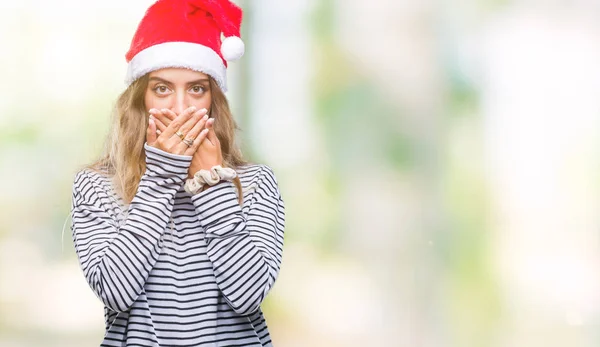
(205,117)
(151,117)
(204,110)
(193,109)
(153,110)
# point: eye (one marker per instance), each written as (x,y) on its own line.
(197,89)
(161,89)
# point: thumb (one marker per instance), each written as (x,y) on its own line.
(151,132)
(212,136)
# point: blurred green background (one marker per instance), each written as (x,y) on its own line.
(439,161)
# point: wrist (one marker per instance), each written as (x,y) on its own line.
(204,179)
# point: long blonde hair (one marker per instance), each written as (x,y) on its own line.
(124,158)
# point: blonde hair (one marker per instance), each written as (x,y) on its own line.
(124,158)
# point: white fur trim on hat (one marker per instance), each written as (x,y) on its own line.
(177,54)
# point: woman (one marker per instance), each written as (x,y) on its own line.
(176,234)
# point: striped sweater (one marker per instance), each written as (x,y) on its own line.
(174,269)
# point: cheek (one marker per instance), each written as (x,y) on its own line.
(153,101)
(203,102)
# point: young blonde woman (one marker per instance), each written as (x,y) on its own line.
(177,235)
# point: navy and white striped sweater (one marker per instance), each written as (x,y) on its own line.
(175,269)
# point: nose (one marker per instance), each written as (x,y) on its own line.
(180,103)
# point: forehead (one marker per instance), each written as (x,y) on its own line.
(178,74)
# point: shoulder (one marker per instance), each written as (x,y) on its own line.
(256,173)
(89,176)
(259,177)
(87,182)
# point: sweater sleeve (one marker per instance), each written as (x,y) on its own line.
(246,252)
(116,261)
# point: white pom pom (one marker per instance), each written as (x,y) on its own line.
(232,48)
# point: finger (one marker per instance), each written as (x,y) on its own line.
(212,137)
(160,126)
(177,123)
(198,116)
(151,132)
(159,115)
(192,149)
(210,123)
(177,141)
(170,114)
(193,133)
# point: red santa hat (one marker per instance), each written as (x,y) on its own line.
(186,33)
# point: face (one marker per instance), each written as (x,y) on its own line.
(177,89)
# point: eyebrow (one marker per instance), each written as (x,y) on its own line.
(154,78)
